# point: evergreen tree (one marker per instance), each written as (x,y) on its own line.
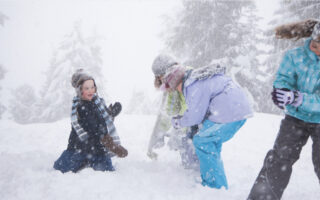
(23,106)
(55,99)
(251,75)
(297,9)
(74,52)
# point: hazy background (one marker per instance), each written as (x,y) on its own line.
(43,42)
(129,39)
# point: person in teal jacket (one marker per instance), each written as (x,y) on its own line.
(297,92)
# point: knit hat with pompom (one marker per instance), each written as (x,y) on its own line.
(78,78)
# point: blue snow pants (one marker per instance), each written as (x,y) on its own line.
(74,161)
(208,143)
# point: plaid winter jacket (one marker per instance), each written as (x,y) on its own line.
(300,70)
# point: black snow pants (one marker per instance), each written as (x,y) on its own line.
(276,171)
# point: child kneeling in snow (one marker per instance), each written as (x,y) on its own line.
(93,139)
(217,105)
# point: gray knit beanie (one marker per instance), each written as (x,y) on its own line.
(78,78)
(162,63)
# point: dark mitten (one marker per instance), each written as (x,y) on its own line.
(282,97)
(114,148)
(192,131)
(115,109)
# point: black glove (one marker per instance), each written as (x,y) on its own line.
(115,109)
(192,131)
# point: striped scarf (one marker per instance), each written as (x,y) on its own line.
(82,134)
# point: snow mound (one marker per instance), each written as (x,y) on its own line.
(27,153)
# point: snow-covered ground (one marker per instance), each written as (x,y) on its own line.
(27,153)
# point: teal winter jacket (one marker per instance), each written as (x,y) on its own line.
(300,70)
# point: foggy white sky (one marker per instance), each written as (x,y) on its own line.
(130,29)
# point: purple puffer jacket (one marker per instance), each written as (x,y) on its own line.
(218,98)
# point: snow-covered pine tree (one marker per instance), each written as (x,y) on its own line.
(223,31)
(251,75)
(23,106)
(55,99)
(200,30)
(300,9)
(207,30)
(76,51)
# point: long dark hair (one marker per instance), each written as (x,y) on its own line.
(296,30)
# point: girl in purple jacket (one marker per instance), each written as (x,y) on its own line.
(215,103)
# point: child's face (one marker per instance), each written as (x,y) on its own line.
(315,47)
(88,89)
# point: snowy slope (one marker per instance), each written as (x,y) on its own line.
(27,153)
